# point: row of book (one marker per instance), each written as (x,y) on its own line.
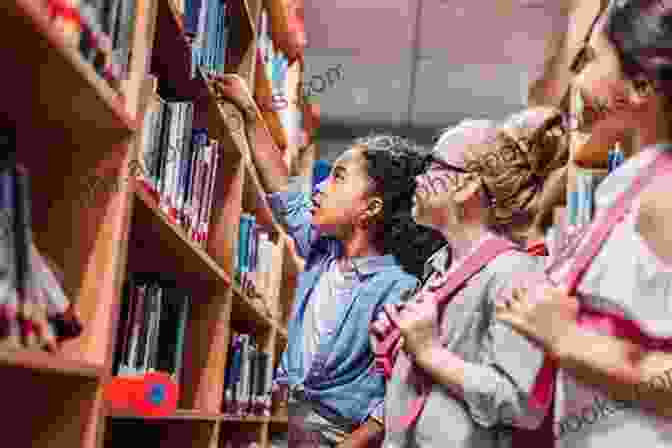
(35,312)
(248,381)
(207,25)
(580,202)
(179,165)
(284,98)
(152,326)
(253,259)
(102,31)
(274,62)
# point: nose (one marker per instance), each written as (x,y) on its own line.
(421,183)
(316,198)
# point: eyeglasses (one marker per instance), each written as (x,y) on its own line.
(458,169)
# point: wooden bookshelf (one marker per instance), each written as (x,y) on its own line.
(49,84)
(73,126)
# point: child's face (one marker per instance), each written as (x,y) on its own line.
(345,198)
(435,203)
(601,92)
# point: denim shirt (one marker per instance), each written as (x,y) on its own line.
(341,380)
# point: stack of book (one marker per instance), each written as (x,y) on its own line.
(101,30)
(207,24)
(152,326)
(35,312)
(178,165)
(241,440)
(253,259)
(248,380)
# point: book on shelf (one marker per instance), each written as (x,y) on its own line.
(35,312)
(178,165)
(253,259)
(248,378)
(101,30)
(207,25)
(241,440)
(152,326)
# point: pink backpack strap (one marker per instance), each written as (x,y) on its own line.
(601,230)
(489,250)
(388,348)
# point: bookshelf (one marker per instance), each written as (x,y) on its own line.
(73,126)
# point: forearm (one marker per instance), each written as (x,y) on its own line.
(623,369)
(443,366)
(267,159)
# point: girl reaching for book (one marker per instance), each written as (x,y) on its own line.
(605,311)
(361,248)
(460,378)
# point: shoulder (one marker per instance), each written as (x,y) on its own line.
(654,217)
(514,262)
(514,270)
(393,285)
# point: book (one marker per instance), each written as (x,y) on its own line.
(153,323)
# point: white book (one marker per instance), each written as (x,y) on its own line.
(243,384)
(214,157)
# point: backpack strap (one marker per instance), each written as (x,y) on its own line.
(487,252)
(599,232)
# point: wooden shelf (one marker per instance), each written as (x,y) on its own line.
(168,248)
(180,414)
(49,84)
(246,314)
(188,414)
(49,363)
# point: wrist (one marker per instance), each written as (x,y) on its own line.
(563,345)
(427,353)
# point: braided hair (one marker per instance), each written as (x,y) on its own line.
(392,164)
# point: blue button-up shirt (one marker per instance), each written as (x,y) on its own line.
(341,380)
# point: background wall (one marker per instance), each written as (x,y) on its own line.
(415,66)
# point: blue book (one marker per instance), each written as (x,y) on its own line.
(243,237)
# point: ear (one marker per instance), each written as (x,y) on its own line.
(642,91)
(374,208)
(468,190)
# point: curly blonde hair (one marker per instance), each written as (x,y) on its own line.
(513,168)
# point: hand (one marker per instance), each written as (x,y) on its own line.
(369,434)
(418,323)
(545,320)
(234,89)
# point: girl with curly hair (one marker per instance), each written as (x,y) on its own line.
(362,250)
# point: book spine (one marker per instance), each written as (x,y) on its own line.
(182,329)
(211,191)
(207,179)
(197,189)
(235,377)
(9,328)
(137,325)
(153,362)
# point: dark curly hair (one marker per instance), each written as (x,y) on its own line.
(392,164)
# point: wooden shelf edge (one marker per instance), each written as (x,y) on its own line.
(266,320)
(50,363)
(193,414)
(144,197)
(110,99)
(180,414)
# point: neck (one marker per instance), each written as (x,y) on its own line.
(656,131)
(359,245)
(463,239)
